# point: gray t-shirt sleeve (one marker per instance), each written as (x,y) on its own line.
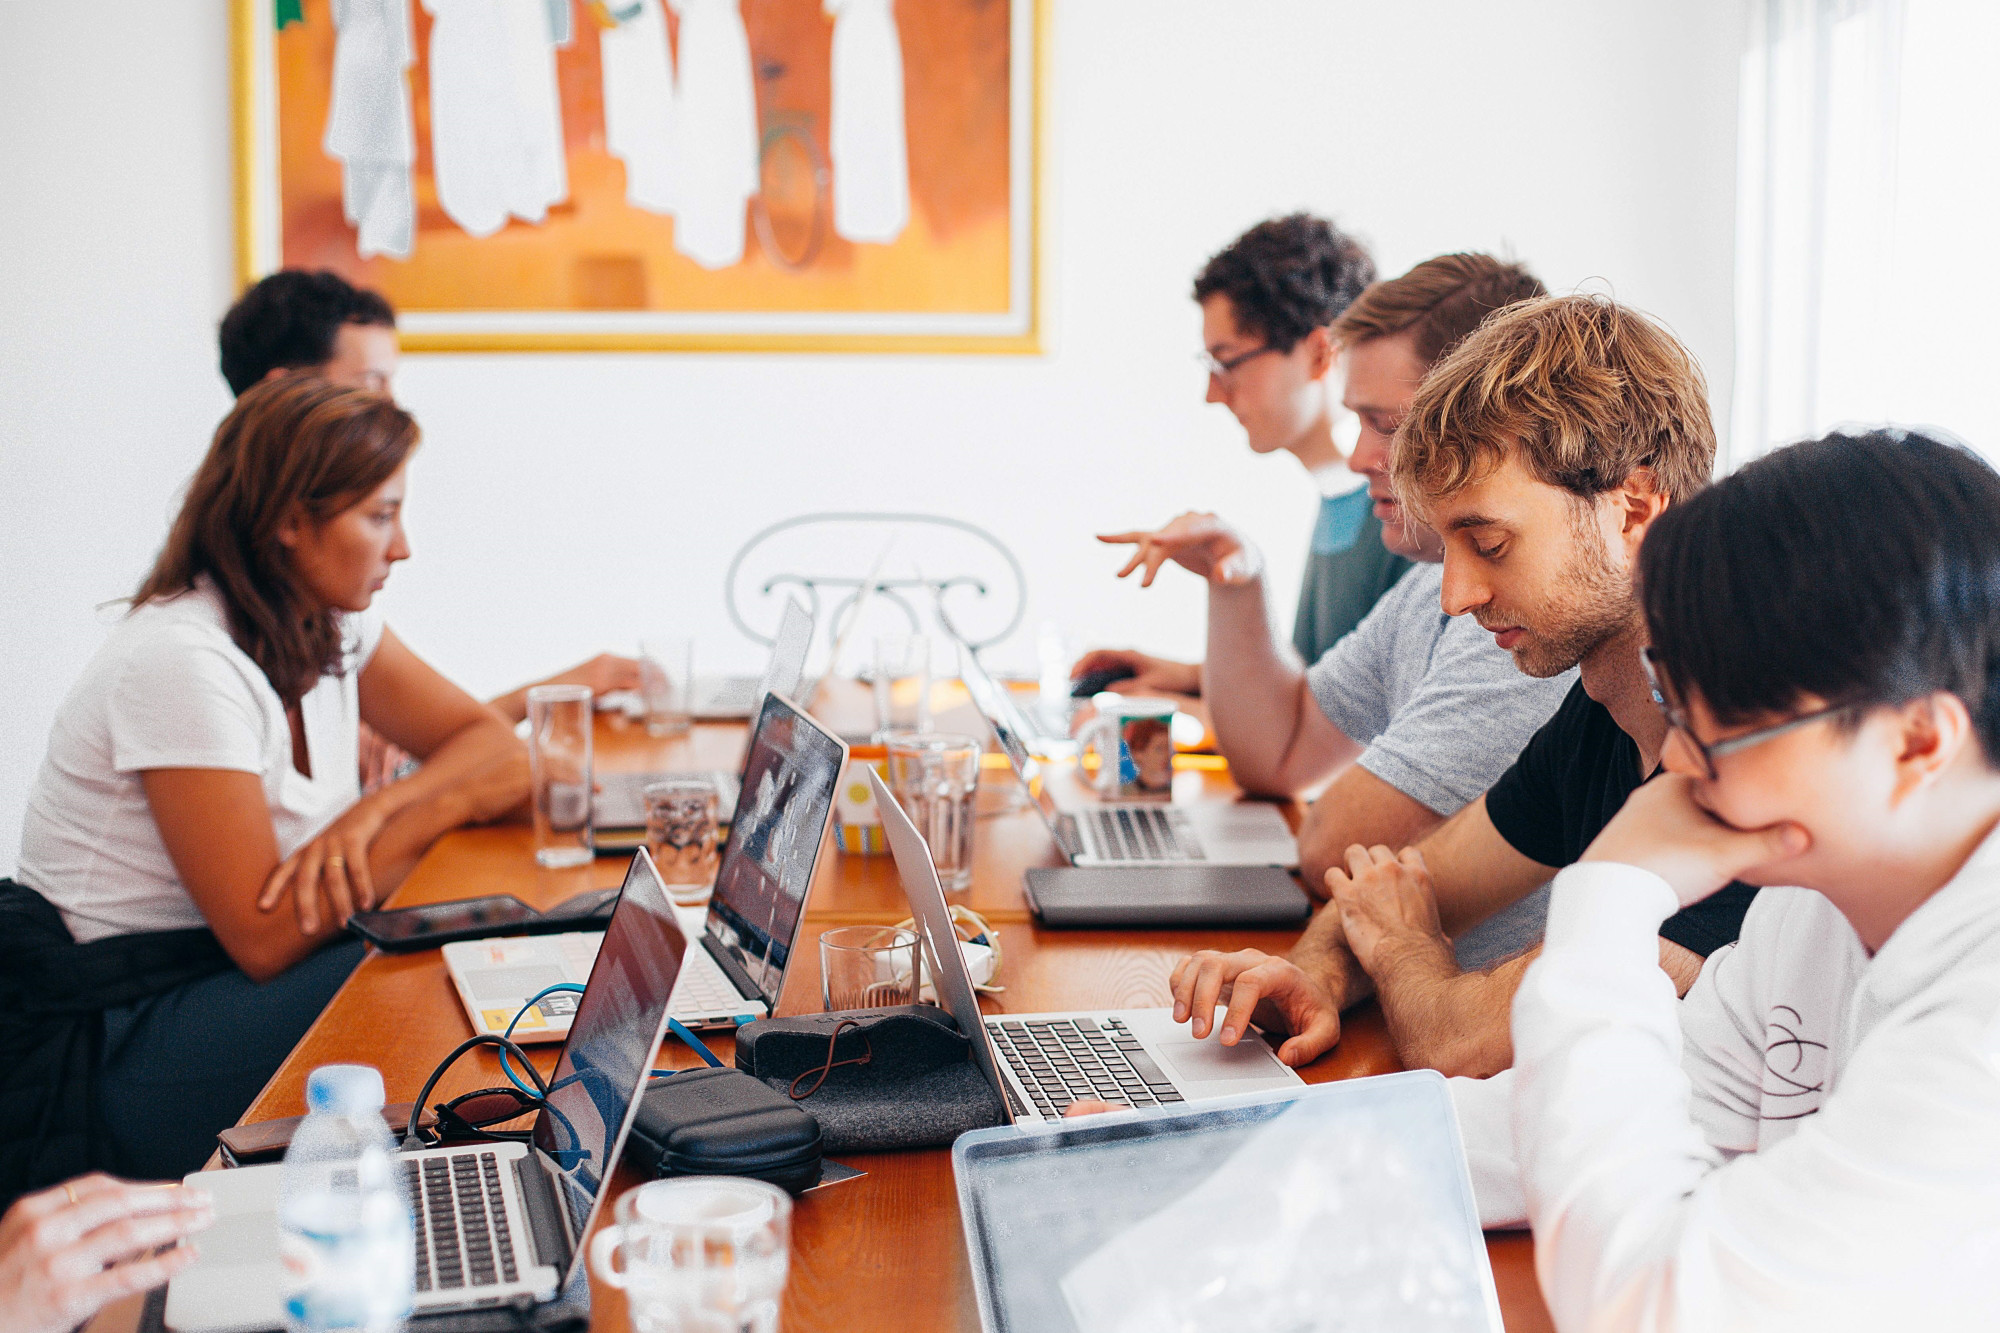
(1352,681)
(1465,722)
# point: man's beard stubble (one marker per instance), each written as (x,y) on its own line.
(1593,605)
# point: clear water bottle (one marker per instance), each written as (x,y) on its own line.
(344,1215)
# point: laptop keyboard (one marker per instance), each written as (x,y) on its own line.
(1144,833)
(462,1234)
(1061,1060)
(703,989)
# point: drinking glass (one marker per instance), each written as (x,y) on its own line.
(559,718)
(666,683)
(701,1254)
(867,967)
(680,834)
(935,776)
(902,683)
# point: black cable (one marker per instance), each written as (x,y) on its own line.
(412,1137)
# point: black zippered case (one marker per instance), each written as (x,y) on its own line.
(723,1122)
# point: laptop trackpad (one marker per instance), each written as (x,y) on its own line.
(1210,1061)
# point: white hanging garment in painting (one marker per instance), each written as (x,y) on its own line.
(715,133)
(496,116)
(639,102)
(368,127)
(871,163)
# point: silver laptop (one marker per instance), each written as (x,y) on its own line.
(790,773)
(495,1222)
(1040,1063)
(617,808)
(1346,1205)
(1127,833)
(737,698)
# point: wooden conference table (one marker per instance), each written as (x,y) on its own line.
(885,1250)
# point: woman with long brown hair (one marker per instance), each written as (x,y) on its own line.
(197,822)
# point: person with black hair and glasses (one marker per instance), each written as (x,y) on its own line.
(1811,1139)
(317,323)
(1268,302)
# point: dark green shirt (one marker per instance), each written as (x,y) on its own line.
(1347,569)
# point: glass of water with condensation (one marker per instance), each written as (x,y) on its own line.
(681,835)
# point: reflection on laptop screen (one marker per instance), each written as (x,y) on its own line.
(611,1040)
(789,778)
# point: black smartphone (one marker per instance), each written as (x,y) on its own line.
(426,927)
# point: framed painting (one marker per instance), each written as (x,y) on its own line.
(674,175)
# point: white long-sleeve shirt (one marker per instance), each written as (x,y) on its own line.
(1810,1140)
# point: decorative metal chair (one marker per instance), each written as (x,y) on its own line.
(856,567)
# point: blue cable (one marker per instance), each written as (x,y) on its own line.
(674,1026)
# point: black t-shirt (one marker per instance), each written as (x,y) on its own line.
(1571,779)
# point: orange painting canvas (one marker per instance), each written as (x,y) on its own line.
(652,173)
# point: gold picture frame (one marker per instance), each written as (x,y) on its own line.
(267,239)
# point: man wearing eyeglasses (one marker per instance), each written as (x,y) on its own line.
(1540,450)
(1268,301)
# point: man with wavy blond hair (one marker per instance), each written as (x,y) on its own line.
(1541,450)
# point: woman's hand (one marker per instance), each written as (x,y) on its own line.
(328,876)
(67,1252)
(1661,828)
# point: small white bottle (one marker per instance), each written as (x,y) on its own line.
(344,1214)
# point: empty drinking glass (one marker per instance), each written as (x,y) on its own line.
(902,683)
(867,967)
(559,721)
(935,776)
(666,683)
(680,834)
(701,1254)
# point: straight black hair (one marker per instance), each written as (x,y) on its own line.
(1863,569)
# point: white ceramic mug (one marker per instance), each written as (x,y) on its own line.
(1134,741)
(698,1254)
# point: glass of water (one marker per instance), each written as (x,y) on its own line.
(868,967)
(902,683)
(666,683)
(681,835)
(559,721)
(935,776)
(698,1254)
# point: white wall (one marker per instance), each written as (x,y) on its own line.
(560,498)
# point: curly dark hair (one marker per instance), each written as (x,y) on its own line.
(1287,276)
(290,319)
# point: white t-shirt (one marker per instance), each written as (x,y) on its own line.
(170,689)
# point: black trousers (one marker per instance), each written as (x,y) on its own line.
(184,1065)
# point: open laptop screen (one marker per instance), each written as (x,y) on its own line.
(1012,730)
(789,777)
(617,1027)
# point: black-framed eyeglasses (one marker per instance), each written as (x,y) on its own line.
(1710,751)
(1215,365)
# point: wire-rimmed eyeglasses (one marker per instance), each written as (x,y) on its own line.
(1710,751)
(1222,369)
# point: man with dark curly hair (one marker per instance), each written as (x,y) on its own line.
(1268,302)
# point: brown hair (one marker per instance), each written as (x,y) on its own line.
(1438,302)
(1586,391)
(292,445)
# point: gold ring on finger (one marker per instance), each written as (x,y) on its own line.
(69,1188)
(336,863)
